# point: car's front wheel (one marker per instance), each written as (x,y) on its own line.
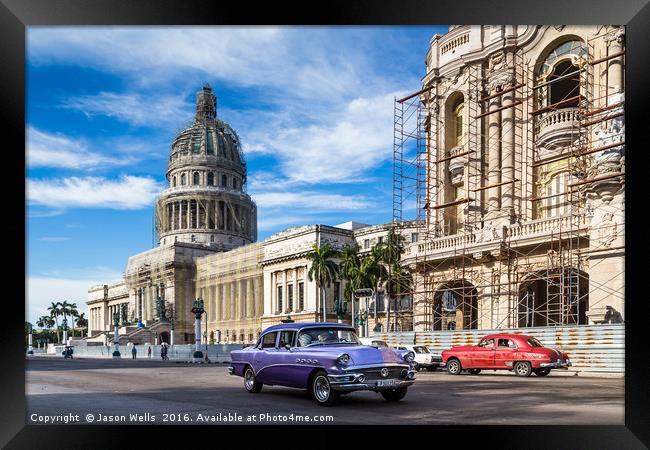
(454,367)
(542,372)
(523,369)
(394,395)
(250,381)
(321,390)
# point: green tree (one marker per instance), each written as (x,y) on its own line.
(74,314)
(348,269)
(82,322)
(55,312)
(323,269)
(393,276)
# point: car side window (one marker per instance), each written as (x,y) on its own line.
(286,338)
(268,341)
(506,343)
(486,343)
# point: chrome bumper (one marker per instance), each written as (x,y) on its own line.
(560,364)
(356,382)
(231,370)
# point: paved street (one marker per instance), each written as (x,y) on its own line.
(168,392)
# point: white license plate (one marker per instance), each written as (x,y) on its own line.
(386,382)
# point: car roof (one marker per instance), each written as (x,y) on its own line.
(507,335)
(301,325)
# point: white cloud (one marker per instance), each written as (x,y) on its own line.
(136,109)
(315,201)
(59,151)
(41,291)
(340,147)
(305,60)
(127,192)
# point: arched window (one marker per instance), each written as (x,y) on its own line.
(234,183)
(210,179)
(455,129)
(224,180)
(174,181)
(195,178)
(183,180)
(559,74)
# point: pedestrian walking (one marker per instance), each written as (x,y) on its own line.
(133,351)
(149,352)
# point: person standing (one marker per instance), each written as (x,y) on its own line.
(133,351)
(149,352)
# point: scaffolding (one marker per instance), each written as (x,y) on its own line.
(466,273)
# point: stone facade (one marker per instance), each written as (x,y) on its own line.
(525,216)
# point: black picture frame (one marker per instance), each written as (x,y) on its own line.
(16,15)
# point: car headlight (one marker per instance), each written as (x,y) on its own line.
(343,359)
(409,356)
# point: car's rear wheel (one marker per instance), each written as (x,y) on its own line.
(416,367)
(542,372)
(321,390)
(250,381)
(523,368)
(394,395)
(454,367)
(474,371)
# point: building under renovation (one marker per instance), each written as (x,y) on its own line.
(513,152)
(508,189)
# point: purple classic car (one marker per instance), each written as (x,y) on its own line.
(325,358)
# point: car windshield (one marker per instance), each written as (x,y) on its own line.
(534,343)
(421,350)
(324,336)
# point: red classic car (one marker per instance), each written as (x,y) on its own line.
(518,352)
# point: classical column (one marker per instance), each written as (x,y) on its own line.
(231,300)
(615,66)
(180,215)
(285,291)
(508,149)
(494,156)
(189,213)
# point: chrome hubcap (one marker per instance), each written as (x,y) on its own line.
(249,379)
(453,366)
(522,369)
(321,389)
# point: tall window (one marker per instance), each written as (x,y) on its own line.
(459,109)
(224,180)
(183,180)
(174,181)
(301,296)
(290,296)
(562,64)
(210,179)
(280,299)
(195,178)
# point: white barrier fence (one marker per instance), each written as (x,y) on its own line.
(591,348)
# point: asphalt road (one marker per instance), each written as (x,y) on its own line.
(140,392)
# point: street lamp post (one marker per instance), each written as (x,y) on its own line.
(171,333)
(30,349)
(198,311)
(116,336)
(364,292)
(64,325)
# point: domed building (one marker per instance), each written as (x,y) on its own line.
(206,201)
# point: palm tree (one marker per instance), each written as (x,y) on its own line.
(349,270)
(82,321)
(74,313)
(323,269)
(391,253)
(55,312)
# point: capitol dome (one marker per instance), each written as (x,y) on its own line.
(206,200)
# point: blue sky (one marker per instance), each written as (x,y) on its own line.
(313,107)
